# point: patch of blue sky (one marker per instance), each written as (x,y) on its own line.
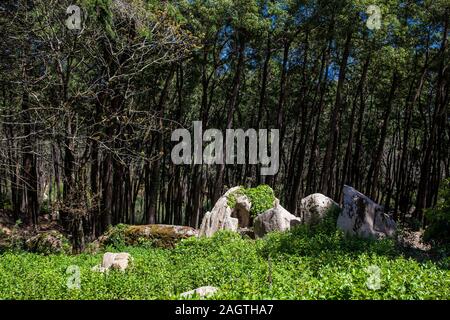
(333,72)
(226,51)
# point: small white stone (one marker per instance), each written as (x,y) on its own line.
(118,261)
(202,292)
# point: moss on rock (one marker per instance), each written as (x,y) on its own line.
(49,242)
(157,235)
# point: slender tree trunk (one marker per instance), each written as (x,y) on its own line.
(326,183)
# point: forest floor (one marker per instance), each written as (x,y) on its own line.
(24,229)
(305,263)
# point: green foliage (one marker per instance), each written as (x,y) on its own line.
(101,12)
(115,236)
(307,263)
(262,198)
(14,241)
(5,202)
(316,262)
(438,230)
(51,242)
(324,238)
(305,241)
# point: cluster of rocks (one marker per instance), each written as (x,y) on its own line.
(359,216)
(41,242)
(49,238)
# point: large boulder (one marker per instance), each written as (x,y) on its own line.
(220,217)
(363,217)
(241,211)
(315,207)
(48,242)
(275,219)
(159,235)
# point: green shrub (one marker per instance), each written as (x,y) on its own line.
(438,230)
(115,236)
(262,198)
(235,266)
(323,237)
(308,262)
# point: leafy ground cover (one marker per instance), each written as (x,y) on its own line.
(317,263)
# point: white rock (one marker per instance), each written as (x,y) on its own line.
(118,261)
(315,207)
(220,217)
(363,217)
(241,211)
(202,292)
(99,268)
(275,219)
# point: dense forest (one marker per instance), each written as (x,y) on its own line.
(86,114)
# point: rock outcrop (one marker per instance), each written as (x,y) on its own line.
(219,218)
(363,217)
(315,207)
(241,211)
(48,242)
(159,235)
(275,219)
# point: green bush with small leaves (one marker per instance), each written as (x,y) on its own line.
(316,262)
(115,236)
(262,198)
(438,230)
